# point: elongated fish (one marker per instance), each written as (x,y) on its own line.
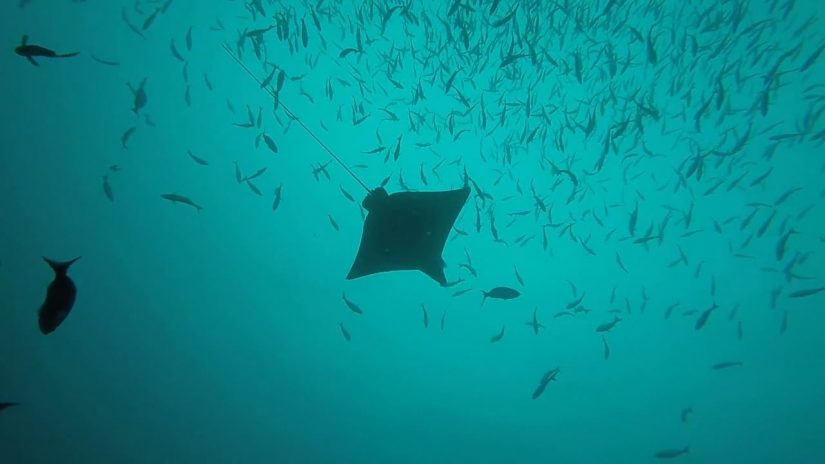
(726,365)
(671,453)
(351,305)
(344,332)
(175,198)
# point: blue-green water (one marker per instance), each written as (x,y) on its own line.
(213,337)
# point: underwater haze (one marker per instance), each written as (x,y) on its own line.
(638,274)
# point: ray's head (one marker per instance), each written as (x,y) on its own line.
(375,199)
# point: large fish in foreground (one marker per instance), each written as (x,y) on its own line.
(60,297)
(500,293)
(31,51)
(8,405)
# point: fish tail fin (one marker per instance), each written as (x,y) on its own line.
(484,298)
(60,267)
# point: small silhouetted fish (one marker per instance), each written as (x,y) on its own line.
(107,189)
(461,292)
(60,297)
(175,198)
(189,39)
(8,405)
(150,19)
(175,52)
(726,364)
(548,377)
(606,348)
(140,99)
(106,62)
(497,336)
(500,293)
(197,159)
(575,302)
(518,276)
(671,453)
(270,144)
(351,305)
(605,327)
(344,331)
(426,317)
(277,200)
(685,413)
(806,292)
(253,188)
(333,223)
(124,139)
(703,318)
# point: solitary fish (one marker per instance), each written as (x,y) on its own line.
(805,292)
(107,189)
(31,51)
(8,405)
(497,336)
(605,327)
(344,331)
(725,365)
(60,297)
(545,380)
(671,453)
(351,305)
(500,293)
(535,324)
(175,198)
(277,200)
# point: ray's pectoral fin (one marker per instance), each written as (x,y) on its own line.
(434,268)
(32,61)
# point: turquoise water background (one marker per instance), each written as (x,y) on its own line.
(213,337)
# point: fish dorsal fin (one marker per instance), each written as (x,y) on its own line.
(24,40)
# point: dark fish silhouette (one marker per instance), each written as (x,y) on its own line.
(31,51)
(407,231)
(548,377)
(605,327)
(500,293)
(671,453)
(8,405)
(60,297)
(497,337)
(726,365)
(345,332)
